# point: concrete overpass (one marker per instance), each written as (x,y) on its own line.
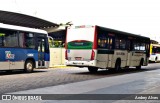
(18,19)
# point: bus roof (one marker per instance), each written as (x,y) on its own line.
(111,31)
(13,27)
(121,32)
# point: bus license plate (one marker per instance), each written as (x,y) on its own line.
(78,58)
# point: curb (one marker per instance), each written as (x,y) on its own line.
(61,66)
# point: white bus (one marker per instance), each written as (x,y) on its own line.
(97,47)
(154,53)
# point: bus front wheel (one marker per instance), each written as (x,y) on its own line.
(29,66)
(93,69)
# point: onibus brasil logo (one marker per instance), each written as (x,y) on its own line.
(9,55)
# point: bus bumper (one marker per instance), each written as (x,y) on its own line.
(81,63)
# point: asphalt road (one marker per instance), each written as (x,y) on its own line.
(18,81)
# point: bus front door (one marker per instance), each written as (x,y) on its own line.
(41,52)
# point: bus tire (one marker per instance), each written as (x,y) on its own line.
(156,60)
(140,65)
(92,69)
(117,65)
(29,66)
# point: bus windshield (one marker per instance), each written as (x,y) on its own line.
(80,38)
(155,49)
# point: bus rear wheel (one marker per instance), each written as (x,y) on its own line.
(117,66)
(140,65)
(29,66)
(93,69)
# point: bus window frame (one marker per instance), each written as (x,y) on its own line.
(108,39)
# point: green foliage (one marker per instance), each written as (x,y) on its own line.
(2,34)
(56,44)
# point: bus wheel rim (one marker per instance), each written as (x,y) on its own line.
(29,66)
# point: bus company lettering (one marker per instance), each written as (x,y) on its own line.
(120,53)
(137,54)
(30,55)
(9,55)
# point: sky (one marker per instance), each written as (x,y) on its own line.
(140,17)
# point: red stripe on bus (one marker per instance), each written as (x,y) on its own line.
(95,38)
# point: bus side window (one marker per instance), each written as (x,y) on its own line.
(128,43)
(110,43)
(1,41)
(11,39)
(136,45)
(122,44)
(155,49)
(2,35)
(142,46)
(21,40)
(102,41)
(117,43)
(26,40)
(29,40)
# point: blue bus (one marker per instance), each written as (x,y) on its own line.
(23,48)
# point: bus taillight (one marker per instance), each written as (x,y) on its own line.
(66,56)
(92,55)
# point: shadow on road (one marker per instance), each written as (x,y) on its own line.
(154,62)
(15,72)
(104,72)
